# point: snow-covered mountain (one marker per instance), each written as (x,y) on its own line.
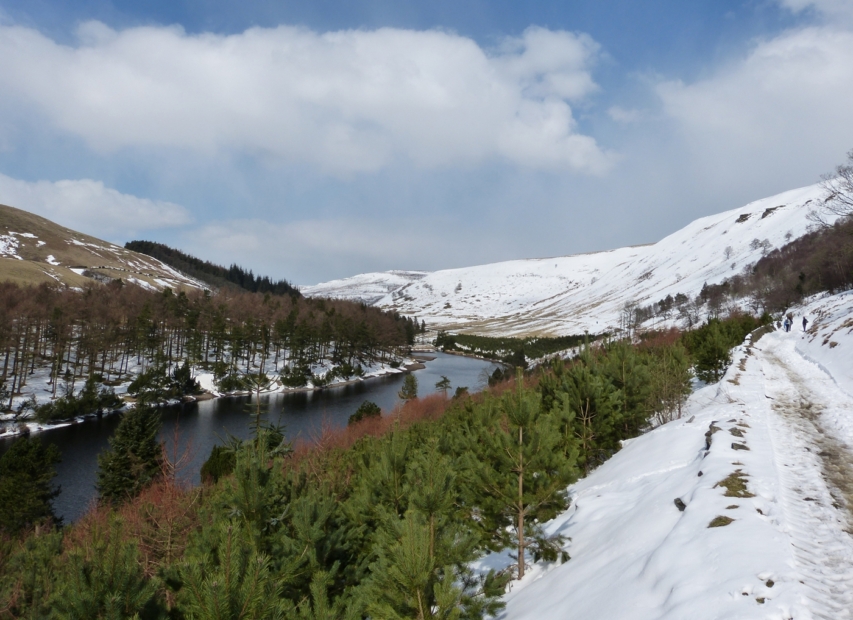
(584,292)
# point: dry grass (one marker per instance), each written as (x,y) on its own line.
(720,521)
(735,485)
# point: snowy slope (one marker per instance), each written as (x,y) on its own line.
(787,553)
(369,288)
(571,294)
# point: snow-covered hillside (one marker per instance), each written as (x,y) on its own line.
(781,423)
(368,288)
(586,292)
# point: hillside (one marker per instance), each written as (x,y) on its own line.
(34,250)
(585,292)
(214,275)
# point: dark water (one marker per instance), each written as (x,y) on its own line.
(199,426)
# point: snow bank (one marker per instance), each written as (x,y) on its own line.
(786,552)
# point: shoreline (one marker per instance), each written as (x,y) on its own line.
(11,428)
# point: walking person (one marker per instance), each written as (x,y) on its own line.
(805,322)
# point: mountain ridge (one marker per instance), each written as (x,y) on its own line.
(586,292)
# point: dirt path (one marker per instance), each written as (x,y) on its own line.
(816,474)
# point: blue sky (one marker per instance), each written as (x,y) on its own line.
(317,140)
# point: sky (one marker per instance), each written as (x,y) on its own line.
(318,139)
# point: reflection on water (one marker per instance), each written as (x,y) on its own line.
(200,426)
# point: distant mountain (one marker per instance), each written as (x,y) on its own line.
(368,288)
(35,250)
(212,274)
(585,292)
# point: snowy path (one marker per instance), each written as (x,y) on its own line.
(781,424)
(816,472)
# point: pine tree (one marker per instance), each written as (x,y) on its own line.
(104,580)
(443,385)
(134,458)
(625,370)
(597,407)
(522,471)
(232,581)
(410,388)
(26,471)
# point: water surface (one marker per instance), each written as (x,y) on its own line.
(200,426)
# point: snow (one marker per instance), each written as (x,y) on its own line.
(369,288)
(51,260)
(9,246)
(586,292)
(786,554)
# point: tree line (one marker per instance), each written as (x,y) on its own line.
(212,274)
(108,334)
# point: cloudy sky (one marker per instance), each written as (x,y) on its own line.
(318,139)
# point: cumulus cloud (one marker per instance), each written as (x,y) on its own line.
(344,102)
(784,109)
(90,207)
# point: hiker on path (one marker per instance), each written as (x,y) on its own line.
(787,324)
(805,322)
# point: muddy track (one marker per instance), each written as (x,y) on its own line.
(818,508)
(836,459)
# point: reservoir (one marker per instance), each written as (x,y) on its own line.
(198,427)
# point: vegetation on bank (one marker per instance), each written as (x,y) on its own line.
(212,274)
(512,351)
(109,334)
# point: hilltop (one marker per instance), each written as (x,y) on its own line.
(586,292)
(34,250)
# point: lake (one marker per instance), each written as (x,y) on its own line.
(200,426)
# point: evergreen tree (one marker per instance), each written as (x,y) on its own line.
(410,388)
(232,581)
(28,579)
(134,458)
(443,385)
(711,350)
(406,580)
(522,471)
(367,409)
(104,580)
(220,463)
(26,471)
(626,371)
(597,408)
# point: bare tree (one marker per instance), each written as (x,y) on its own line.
(839,194)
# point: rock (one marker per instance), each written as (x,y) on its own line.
(679,504)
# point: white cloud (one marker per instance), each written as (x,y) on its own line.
(345,102)
(623,115)
(89,207)
(783,111)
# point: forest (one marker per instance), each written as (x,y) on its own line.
(381,519)
(109,334)
(210,273)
